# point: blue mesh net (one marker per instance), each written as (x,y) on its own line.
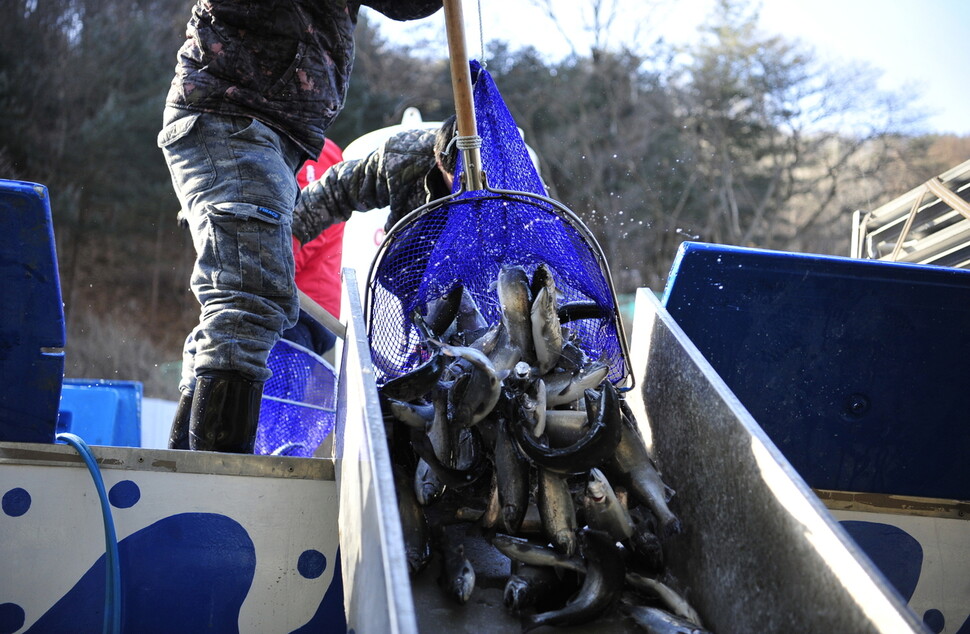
(299,402)
(505,158)
(467,238)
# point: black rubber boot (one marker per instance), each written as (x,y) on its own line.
(225,413)
(178,438)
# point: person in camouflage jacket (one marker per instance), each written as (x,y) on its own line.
(286,64)
(256,86)
(410,169)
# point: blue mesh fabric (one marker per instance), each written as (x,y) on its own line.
(466,240)
(505,158)
(299,402)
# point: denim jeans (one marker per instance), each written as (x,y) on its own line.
(235,179)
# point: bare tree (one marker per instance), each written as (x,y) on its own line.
(600,22)
(777,136)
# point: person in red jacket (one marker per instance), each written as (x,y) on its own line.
(318,264)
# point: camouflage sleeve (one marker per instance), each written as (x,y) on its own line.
(359,184)
(390,176)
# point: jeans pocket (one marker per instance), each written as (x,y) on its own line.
(183,144)
(252,252)
(176,130)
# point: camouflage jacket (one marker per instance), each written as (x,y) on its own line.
(286,64)
(401,174)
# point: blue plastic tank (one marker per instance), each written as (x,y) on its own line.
(32,332)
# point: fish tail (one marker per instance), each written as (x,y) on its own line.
(671,526)
(566,540)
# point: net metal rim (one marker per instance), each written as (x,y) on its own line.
(627,381)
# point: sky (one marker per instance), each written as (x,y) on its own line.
(918,45)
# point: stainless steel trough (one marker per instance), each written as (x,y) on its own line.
(760,551)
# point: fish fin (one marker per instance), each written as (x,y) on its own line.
(668,492)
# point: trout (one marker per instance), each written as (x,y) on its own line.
(546,330)
(414,524)
(600,589)
(566,387)
(557,512)
(657,621)
(632,459)
(594,448)
(513,297)
(603,511)
(526,552)
(512,477)
(670,597)
(482,390)
(457,576)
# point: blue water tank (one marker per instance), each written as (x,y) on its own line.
(32,332)
(102,411)
(856,369)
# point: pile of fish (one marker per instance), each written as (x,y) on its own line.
(511,428)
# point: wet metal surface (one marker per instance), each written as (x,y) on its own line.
(760,552)
(485,611)
(377,592)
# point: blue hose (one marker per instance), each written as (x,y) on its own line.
(112,594)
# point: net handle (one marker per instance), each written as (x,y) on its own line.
(461,83)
